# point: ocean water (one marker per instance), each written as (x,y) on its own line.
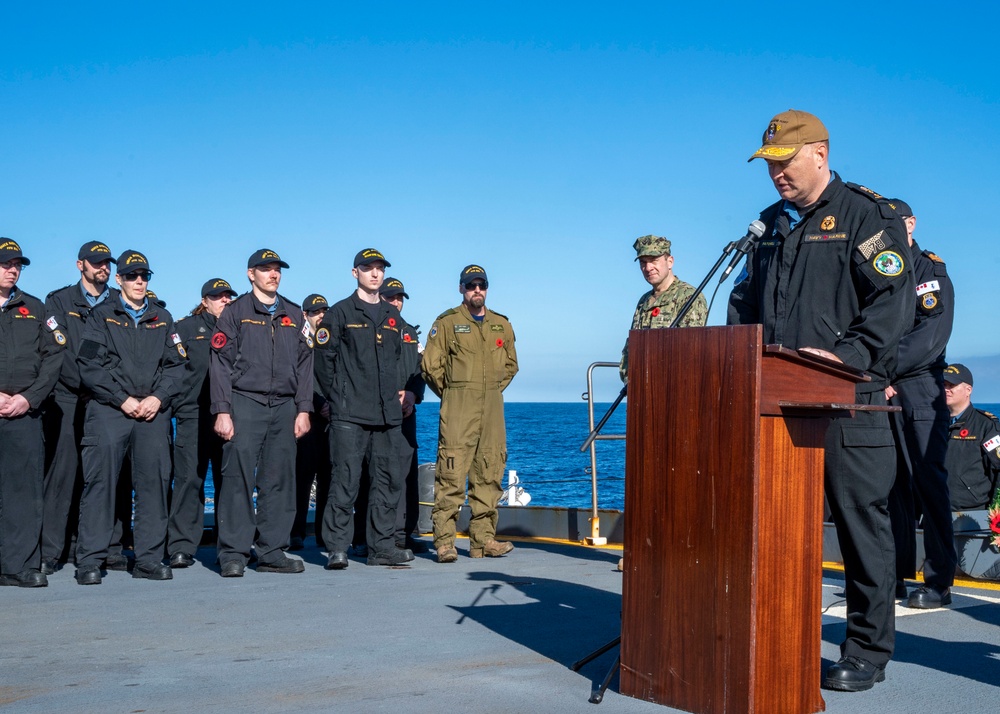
(543,446)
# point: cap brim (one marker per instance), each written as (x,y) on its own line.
(776,153)
(222,291)
(383,261)
(136,269)
(282,263)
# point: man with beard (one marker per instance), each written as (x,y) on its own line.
(262,388)
(64,411)
(468,361)
(196,445)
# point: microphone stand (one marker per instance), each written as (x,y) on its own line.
(597,693)
(685,309)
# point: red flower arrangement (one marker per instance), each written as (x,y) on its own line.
(993,514)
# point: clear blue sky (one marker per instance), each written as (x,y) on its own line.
(536,139)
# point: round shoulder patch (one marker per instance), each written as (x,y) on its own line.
(929,301)
(182,352)
(888,263)
(60,337)
(219,340)
(434,331)
(309,341)
(322,336)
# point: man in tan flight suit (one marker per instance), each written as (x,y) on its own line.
(468,361)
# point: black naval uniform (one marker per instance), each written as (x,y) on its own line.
(840,280)
(409,501)
(921,429)
(63,416)
(312,463)
(262,376)
(196,445)
(30,358)
(408,510)
(973,459)
(118,359)
(359,348)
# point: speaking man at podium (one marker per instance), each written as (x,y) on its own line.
(831,275)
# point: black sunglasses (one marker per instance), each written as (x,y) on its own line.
(477,285)
(137,275)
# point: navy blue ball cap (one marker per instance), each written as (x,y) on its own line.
(901,207)
(391,288)
(95,251)
(217,286)
(470,273)
(369,256)
(264,257)
(9,249)
(132,261)
(957,373)
(315,302)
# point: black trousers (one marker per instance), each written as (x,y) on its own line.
(260,455)
(921,433)
(108,436)
(22,457)
(196,445)
(63,424)
(312,463)
(860,469)
(408,509)
(351,445)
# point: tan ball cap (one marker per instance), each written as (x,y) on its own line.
(787,133)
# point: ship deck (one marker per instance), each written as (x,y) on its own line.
(494,635)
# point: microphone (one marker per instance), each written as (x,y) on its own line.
(744,245)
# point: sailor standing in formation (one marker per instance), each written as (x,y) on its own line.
(261,384)
(30,358)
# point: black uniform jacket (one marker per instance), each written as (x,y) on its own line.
(70,309)
(973,459)
(196,335)
(921,350)
(119,359)
(409,363)
(265,357)
(30,349)
(841,281)
(359,362)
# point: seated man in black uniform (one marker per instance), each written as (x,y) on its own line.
(973,458)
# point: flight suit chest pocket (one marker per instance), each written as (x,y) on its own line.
(464,358)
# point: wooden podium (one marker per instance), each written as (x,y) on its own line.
(721,600)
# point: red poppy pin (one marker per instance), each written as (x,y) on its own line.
(286,321)
(392,322)
(218,340)
(499,342)
(23,310)
(964,432)
(656,311)
(406,338)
